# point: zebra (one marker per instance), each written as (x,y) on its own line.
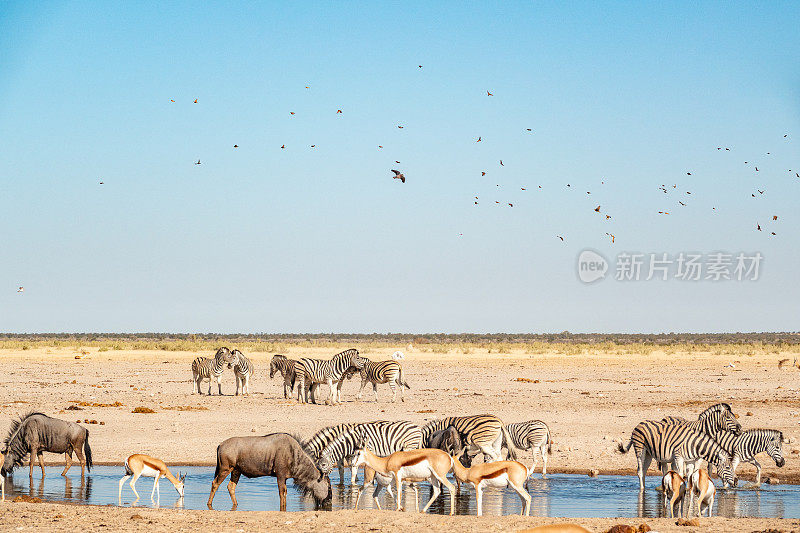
(715,418)
(211,369)
(320,440)
(383,438)
(242,369)
(533,435)
(676,444)
(380,372)
(481,433)
(314,371)
(749,443)
(286,366)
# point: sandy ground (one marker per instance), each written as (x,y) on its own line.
(589,402)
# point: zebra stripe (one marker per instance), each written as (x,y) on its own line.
(314,371)
(381,372)
(676,444)
(745,446)
(286,366)
(242,369)
(484,433)
(320,440)
(716,418)
(532,435)
(211,369)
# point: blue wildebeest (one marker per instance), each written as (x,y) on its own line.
(279,455)
(35,433)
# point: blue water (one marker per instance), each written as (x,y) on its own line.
(562,495)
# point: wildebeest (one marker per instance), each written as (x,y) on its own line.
(35,433)
(279,455)
(450,441)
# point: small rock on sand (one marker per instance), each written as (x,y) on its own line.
(691,522)
(594,473)
(772,480)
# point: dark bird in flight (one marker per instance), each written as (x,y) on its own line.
(597,209)
(173,101)
(796,174)
(338,111)
(398,162)
(681,202)
(760,191)
(198,162)
(195,100)
(420,66)
(688,192)
(236,146)
(663,212)
(501,163)
(313,145)
(567,184)
(613,238)
(21,289)
(398,176)
(772,232)
(774,217)
(400,127)
(476,203)
(283,146)
(101,183)
(291,112)
(379,146)
(530,130)
(784,136)
(479,140)
(758,227)
(756,169)
(523,188)
(608,217)
(483,173)
(688,173)
(489,94)
(560,237)
(510,205)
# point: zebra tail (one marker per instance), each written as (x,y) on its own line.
(549,443)
(87,452)
(512,452)
(624,448)
(401,381)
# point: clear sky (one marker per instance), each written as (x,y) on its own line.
(301,239)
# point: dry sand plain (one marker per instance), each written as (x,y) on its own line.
(589,402)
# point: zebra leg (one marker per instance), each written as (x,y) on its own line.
(238,379)
(643,461)
(758,471)
(375,391)
(364,382)
(393,386)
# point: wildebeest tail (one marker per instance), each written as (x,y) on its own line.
(87,451)
(512,452)
(216,470)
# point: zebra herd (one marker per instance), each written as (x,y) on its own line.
(716,437)
(307,373)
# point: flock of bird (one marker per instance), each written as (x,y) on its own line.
(674,189)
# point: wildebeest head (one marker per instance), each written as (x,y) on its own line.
(322,493)
(10,460)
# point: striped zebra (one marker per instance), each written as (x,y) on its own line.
(284,365)
(383,438)
(380,372)
(718,417)
(242,369)
(211,369)
(678,445)
(481,433)
(315,444)
(749,443)
(533,435)
(310,372)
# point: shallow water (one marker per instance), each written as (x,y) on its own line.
(563,495)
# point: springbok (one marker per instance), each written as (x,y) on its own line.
(424,464)
(672,485)
(498,474)
(138,465)
(700,485)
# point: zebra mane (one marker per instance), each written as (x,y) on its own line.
(12,440)
(771,432)
(317,442)
(717,407)
(347,353)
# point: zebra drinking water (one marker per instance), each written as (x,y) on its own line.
(211,369)
(242,369)
(676,444)
(533,435)
(749,443)
(315,444)
(313,371)
(482,433)
(380,372)
(286,366)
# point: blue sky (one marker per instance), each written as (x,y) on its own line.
(302,239)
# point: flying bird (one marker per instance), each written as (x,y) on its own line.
(173,101)
(608,217)
(688,173)
(784,136)
(307,87)
(597,209)
(283,146)
(195,100)
(479,140)
(420,66)
(291,112)
(379,146)
(772,232)
(756,169)
(489,94)
(681,202)
(530,130)
(510,205)
(774,217)
(501,163)
(758,227)
(398,176)
(663,212)
(102,183)
(198,162)
(760,191)
(398,162)
(313,145)
(236,146)
(560,237)
(400,127)
(21,289)
(483,173)
(613,238)
(338,111)
(523,188)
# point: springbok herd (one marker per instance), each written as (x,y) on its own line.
(396,453)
